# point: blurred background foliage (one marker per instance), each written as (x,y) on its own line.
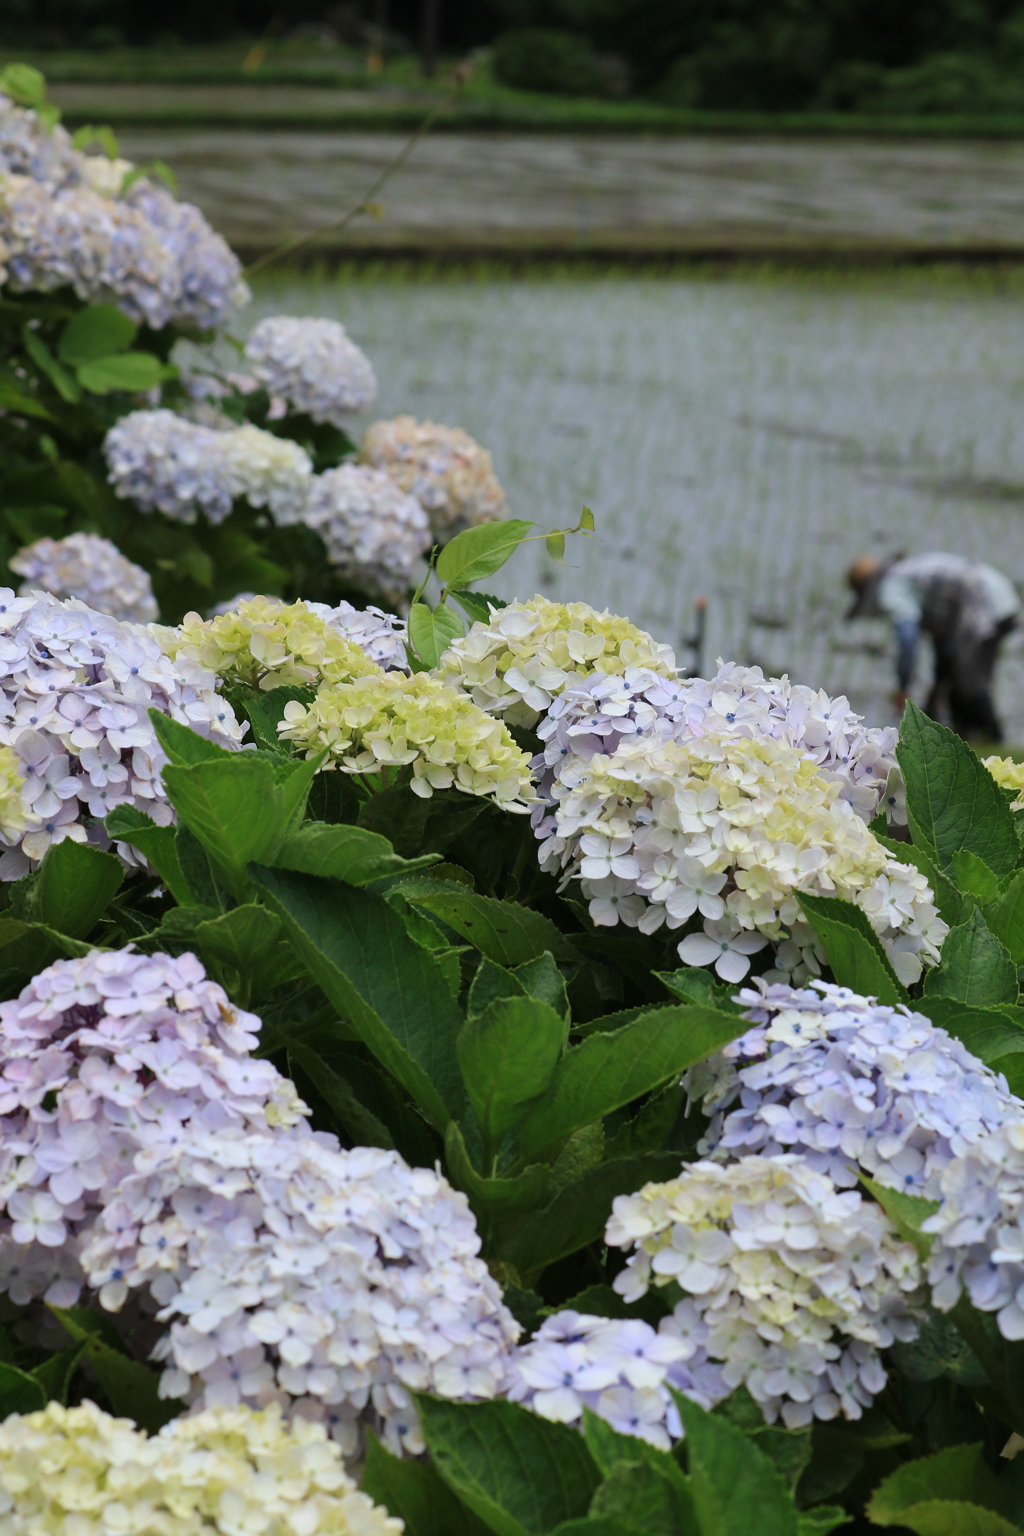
(918,56)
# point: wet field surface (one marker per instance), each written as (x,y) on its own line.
(737,439)
(521,192)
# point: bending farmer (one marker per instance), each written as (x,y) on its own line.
(965,607)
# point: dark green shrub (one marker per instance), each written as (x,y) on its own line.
(542,59)
(947,83)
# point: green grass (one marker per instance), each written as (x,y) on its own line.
(484,104)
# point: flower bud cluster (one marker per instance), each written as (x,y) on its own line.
(266,643)
(76,687)
(621,1369)
(449,474)
(64,223)
(166,463)
(144,1143)
(224,1471)
(313,365)
(528,653)
(374,533)
(797,1284)
(91,569)
(387,721)
(1008,775)
(731,829)
(852,1085)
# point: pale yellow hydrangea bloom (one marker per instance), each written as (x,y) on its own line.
(525,654)
(389,721)
(267,643)
(1008,775)
(748,823)
(446,470)
(761,809)
(229,1470)
(15,816)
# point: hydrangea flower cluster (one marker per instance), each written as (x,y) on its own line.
(595,713)
(64,223)
(979,1229)
(731,828)
(526,654)
(851,1085)
(266,643)
(388,721)
(380,636)
(75,690)
(1008,775)
(621,1369)
(173,1162)
(313,365)
(165,463)
(796,1284)
(225,1471)
(374,533)
(449,474)
(92,569)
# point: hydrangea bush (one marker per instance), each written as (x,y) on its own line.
(648,1161)
(338,1095)
(246,473)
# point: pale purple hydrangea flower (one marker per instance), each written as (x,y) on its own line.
(150,1150)
(76,687)
(91,569)
(63,223)
(852,1085)
(164,462)
(621,1369)
(313,365)
(374,533)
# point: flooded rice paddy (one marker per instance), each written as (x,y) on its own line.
(740,439)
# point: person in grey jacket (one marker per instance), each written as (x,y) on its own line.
(965,607)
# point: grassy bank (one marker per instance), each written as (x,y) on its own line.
(143,88)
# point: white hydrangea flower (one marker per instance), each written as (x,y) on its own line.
(1008,775)
(224,1471)
(449,473)
(104,175)
(75,690)
(850,1084)
(375,534)
(268,471)
(527,654)
(797,1285)
(314,365)
(730,827)
(164,462)
(175,1164)
(64,223)
(593,714)
(92,569)
(621,1369)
